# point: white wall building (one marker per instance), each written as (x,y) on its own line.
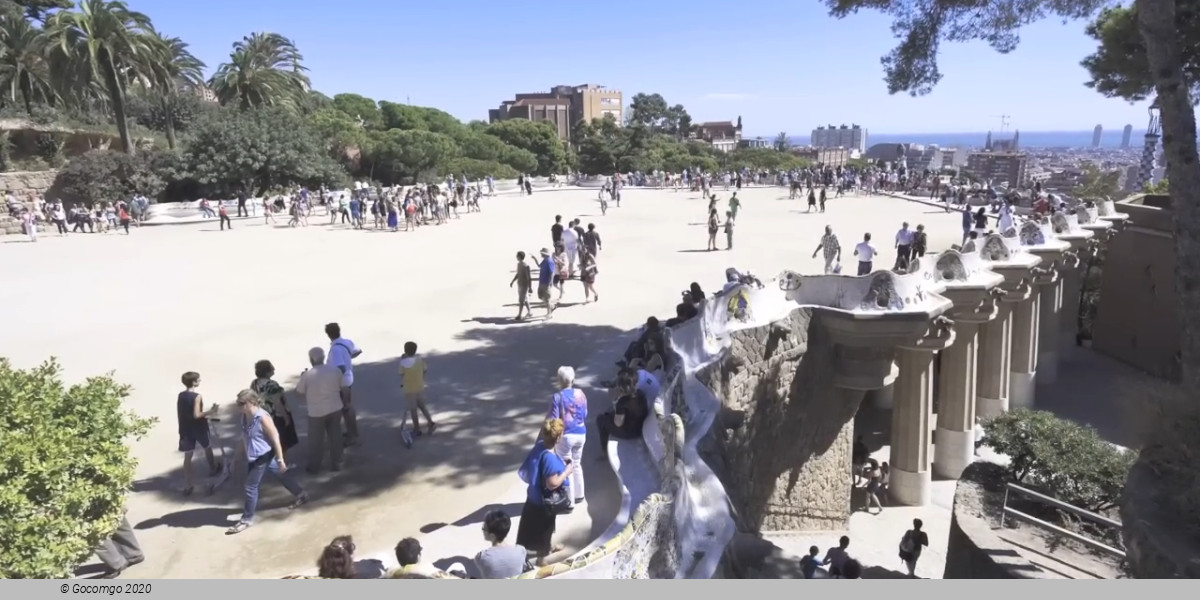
(850,137)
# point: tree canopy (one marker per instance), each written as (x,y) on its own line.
(1120,69)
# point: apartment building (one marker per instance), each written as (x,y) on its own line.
(830,157)
(562,107)
(1001,168)
(723,135)
(850,137)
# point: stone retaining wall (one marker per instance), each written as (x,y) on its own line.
(974,551)
(22,183)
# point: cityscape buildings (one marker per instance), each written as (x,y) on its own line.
(1096,134)
(851,137)
(1001,168)
(562,106)
(723,135)
(1126,136)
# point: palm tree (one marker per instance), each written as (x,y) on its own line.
(110,46)
(263,70)
(174,69)
(24,66)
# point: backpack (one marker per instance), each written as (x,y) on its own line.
(907,545)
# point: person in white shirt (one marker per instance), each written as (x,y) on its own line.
(321,386)
(341,354)
(865,252)
(570,241)
(904,240)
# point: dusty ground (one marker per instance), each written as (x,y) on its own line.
(171,299)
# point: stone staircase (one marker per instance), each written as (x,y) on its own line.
(9,226)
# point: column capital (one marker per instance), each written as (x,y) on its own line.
(939,336)
(1020,292)
(1070,260)
(1046,275)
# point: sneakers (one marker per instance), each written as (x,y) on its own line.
(406,437)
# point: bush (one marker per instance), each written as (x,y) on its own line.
(109,176)
(64,468)
(1060,458)
(477,169)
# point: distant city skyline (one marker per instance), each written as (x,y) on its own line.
(977,139)
(397,51)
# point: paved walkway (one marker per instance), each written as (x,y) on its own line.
(171,299)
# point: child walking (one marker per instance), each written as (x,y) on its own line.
(193,428)
(412,374)
(524,278)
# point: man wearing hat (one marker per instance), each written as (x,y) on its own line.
(546,274)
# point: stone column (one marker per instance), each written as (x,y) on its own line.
(911,477)
(1072,288)
(1050,304)
(995,362)
(955,447)
(1025,322)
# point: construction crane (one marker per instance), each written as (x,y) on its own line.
(1004,121)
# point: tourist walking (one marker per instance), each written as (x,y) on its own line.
(29,223)
(412,379)
(264,454)
(833,251)
(224,214)
(967,223)
(545,473)
(523,279)
(193,429)
(546,279)
(120,550)
(587,274)
(874,485)
(714,226)
(569,404)
(272,396)
(904,240)
(836,557)
(865,251)
(729,230)
(591,240)
(342,353)
(911,544)
(321,386)
(920,242)
(570,242)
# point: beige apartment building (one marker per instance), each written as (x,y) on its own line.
(562,107)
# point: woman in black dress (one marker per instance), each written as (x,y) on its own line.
(274,402)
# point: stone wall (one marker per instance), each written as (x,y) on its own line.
(23,183)
(973,551)
(782,442)
(1155,547)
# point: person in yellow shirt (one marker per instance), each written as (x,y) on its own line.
(412,379)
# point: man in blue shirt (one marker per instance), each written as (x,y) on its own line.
(546,272)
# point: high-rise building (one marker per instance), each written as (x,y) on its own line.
(1126,136)
(1000,168)
(563,107)
(850,137)
(1096,134)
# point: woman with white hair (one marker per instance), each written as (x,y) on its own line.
(570,405)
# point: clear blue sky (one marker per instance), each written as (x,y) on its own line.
(783,65)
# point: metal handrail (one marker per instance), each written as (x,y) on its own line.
(1086,514)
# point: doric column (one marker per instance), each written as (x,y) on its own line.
(910,459)
(1050,290)
(1025,322)
(954,441)
(995,356)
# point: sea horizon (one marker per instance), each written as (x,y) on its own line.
(1029,139)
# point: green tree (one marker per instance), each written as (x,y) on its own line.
(65,468)
(34,10)
(538,138)
(1098,184)
(264,69)
(359,107)
(489,148)
(399,155)
(1061,458)
(24,64)
(1163,187)
(174,71)
(1120,68)
(107,176)
(781,142)
(109,46)
(650,110)
(259,150)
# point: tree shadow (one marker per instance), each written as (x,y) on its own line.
(487,400)
(877,572)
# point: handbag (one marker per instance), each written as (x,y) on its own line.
(556,501)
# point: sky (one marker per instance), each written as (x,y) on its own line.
(783,66)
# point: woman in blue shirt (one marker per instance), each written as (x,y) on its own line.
(264,454)
(547,472)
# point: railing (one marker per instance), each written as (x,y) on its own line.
(1079,512)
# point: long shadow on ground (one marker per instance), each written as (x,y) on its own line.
(487,401)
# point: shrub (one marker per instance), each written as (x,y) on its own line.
(1061,458)
(109,176)
(475,169)
(64,468)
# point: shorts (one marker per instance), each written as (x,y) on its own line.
(188,443)
(414,400)
(522,296)
(544,293)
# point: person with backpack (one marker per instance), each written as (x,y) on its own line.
(571,406)
(910,546)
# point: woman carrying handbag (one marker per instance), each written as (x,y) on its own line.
(548,494)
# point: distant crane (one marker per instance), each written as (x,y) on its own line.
(1004,121)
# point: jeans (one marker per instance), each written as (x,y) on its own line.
(254,475)
(349,415)
(864,267)
(570,447)
(323,430)
(226,222)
